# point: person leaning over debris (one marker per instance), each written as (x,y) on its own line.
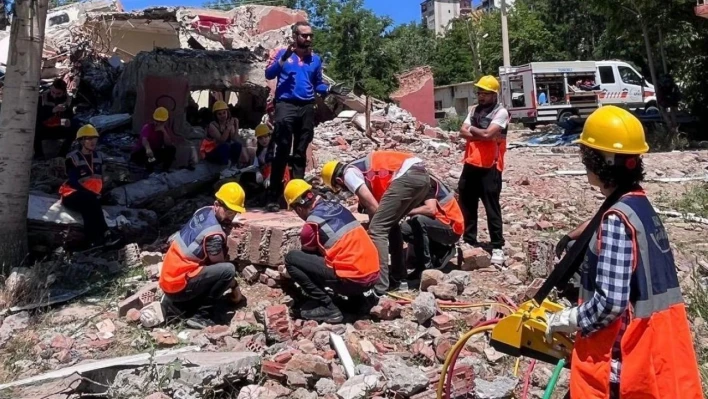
(389,185)
(299,74)
(434,228)
(633,338)
(195,271)
(82,190)
(485,132)
(223,145)
(257,177)
(54,119)
(156,143)
(341,255)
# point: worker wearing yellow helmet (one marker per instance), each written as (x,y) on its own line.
(82,190)
(388,184)
(156,144)
(223,144)
(632,337)
(196,271)
(336,253)
(484,130)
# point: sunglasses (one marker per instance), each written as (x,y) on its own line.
(306,35)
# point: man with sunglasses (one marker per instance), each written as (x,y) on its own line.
(298,71)
(485,132)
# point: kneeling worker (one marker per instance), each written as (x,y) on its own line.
(195,272)
(82,190)
(389,184)
(344,259)
(434,228)
(633,338)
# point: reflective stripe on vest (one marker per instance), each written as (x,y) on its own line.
(90,175)
(486,154)
(658,360)
(187,251)
(378,168)
(448,210)
(347,247)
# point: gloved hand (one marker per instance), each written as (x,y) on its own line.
(562,245)
(288,52)
(259,177)
(339,89)
(565,321)
(266,182)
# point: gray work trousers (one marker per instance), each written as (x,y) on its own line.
(405,193)
(424,233)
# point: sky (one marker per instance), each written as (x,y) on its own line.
(401,11)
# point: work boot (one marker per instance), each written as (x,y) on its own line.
(200,321)
(444,256)
(324,314)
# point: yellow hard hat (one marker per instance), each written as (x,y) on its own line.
(294,191)
(233,196)
(328,173)
(262,130)
(614,130)
(161,114)
(86,131)
(488,83)
(220,106)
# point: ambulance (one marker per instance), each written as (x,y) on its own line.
(549,92)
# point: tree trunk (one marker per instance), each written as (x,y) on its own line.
(652,72)
(17,125)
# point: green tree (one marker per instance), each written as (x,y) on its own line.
(452,62)
(411,45)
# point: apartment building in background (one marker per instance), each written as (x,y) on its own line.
(492,5)
(438,14)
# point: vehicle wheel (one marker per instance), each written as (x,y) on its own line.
(651,109)
(565,115)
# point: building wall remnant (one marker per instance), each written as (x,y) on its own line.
(416,94)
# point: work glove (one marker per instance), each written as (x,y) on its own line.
(259,177)
(562,245)
(288,52)
(340,89)
(565,321)
(266,182)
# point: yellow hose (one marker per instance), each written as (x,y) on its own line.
(461,342)
(461,305)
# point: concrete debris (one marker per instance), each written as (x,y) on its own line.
(302,393)
(152,315)
(445,291)
(109,122)
(500,388)
(424,307)
(431,277)
(387,310)
(211,370)
(358,387)
(325,386)
(402,378)
(11,325)
(139,300)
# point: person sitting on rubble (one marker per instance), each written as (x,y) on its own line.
(54,119)
(82,190)
(195,272)
(434,228)
(223,145)
(256,178)
(156,144)
(388,184)
(632,335)
(337,253)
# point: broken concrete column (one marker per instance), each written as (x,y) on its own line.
(265,238)
(541,257)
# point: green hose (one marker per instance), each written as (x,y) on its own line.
(554,379)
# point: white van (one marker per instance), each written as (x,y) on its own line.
(572,88)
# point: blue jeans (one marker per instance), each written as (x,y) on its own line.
(225,152)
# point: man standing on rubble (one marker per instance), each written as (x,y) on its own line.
(632,336)
(54,119)
(195,272)
(336,253)
(299,74)
(389,184)
(485,132)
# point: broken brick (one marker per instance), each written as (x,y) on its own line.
(273,370)
(475,258)
(278,324)
(250,274)
(387,310)
(443,322)
(165,338)
(61,342)
(137,300)
(533,288)
(310,364)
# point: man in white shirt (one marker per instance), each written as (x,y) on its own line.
(389,184)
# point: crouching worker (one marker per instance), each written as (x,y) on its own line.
(195,272)
(256,178)
(434,228)
(633,338)
(344,258)
(82,190)
(156,144)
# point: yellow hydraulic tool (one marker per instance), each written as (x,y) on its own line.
(523,333)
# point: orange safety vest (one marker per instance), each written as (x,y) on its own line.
(89,174)
(657,355)
(346,246)
(187,253)
(267,168)
(448,210)
(486,154)
(378,168)
(208,144)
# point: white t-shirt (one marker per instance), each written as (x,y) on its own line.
(501,118)
(354,178)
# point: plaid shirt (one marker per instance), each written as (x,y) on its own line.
(611,298)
